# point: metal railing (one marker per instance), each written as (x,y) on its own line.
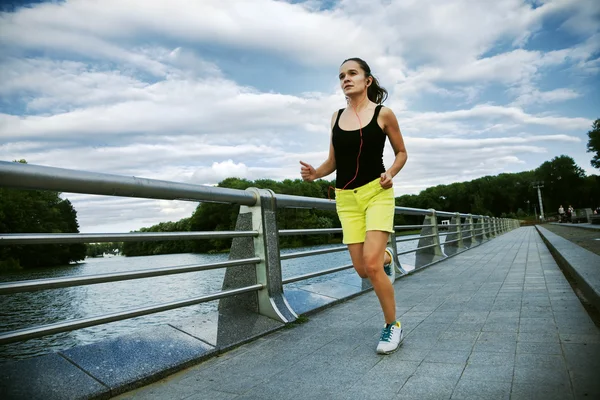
(258,212)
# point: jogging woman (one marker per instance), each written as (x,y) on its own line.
(364,194)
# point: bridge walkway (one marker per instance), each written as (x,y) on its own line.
(499,321)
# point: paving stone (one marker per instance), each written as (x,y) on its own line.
(495,346)
(585,384)
(440,370)
(501,326)
(473,389)
(426,387)
(497,337)
(581,356)
(525,391)
(543,369)
(537,325)
(43,378)
(466,326)
(539,347)
(538,337)
(450,344)
(488,372)
(487,358)
(448,356)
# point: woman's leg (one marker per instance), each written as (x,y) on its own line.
(358,261)
(368,259)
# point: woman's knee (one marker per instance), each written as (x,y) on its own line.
(372,265)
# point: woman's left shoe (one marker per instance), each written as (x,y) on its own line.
(390,269)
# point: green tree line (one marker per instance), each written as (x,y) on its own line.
(504,195)
(511,195)
(222,217)
(36,211)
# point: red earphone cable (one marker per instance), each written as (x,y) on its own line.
(357,157)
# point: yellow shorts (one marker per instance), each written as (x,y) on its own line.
(366,208)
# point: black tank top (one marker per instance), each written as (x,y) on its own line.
(346,145)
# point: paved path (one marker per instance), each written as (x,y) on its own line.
(499,321)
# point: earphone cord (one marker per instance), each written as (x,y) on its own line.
(357,157)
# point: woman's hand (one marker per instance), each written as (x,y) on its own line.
(386,180)
(307,172)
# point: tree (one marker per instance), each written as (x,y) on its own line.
(593,144)
(36,211)
(564,182)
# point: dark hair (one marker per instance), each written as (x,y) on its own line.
(375,93)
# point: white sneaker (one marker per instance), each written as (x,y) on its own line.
(390,269)
(390,339)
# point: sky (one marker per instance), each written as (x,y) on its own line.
(196,91)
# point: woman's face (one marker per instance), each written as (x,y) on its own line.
(352,78)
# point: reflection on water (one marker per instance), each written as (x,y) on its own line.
(26,310)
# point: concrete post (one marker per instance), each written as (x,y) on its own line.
(455,236)
(488,227)
(474,239)
(270,300)
(392,245)
(482,225)
(434,253)
(465,232)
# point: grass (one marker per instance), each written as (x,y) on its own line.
(299,321)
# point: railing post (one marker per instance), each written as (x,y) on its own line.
(467,233)
(495,226)
(434,253)
(455,236)
(270,300)
(481,222)
(474,240)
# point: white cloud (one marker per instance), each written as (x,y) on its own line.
(125,88)
(259,24)
(535,96)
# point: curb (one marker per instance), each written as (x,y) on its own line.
(579,263)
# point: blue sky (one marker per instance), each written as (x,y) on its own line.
(197,91)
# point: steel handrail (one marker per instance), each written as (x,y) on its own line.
(413,238)
(55,283)
(321,231)
(417,249)
(29,176)
(312,252)
(46,238)
(452,241)
(398,227)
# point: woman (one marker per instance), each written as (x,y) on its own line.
(364,194)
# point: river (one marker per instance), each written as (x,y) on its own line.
(25,310)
